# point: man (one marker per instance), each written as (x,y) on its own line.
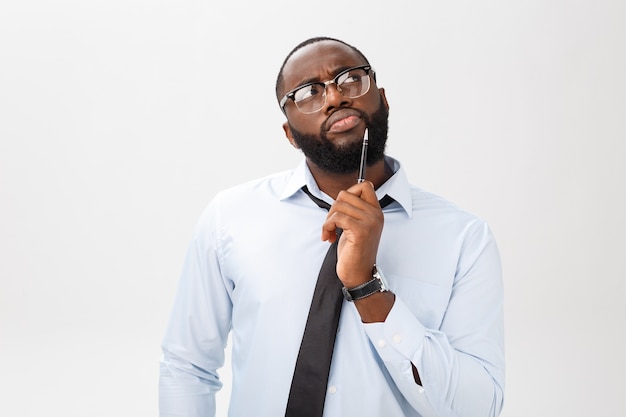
(430,344)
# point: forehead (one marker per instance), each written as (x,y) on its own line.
(318,62)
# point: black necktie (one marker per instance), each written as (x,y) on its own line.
(310,376)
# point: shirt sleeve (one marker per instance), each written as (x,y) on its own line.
(461,364)
(196,336)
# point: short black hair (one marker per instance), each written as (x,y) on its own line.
(279,79)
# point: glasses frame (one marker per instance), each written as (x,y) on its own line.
(292,93)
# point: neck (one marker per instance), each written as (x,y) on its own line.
(331,183)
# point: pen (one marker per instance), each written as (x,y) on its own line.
(363,159)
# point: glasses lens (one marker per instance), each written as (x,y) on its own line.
(354,83)
(309,98)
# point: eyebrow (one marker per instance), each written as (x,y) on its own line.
(310,80)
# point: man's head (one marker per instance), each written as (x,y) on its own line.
(330,131)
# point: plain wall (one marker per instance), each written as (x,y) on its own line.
(119,120)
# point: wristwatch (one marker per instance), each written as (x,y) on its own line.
(376,284)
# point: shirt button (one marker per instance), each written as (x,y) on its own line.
(332,389)
(382,343)
(421,390)
(397,338)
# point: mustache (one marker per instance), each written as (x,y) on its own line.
(328,121)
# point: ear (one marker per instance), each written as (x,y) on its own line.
(381,91)
(289,136)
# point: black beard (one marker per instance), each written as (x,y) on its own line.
(346,159)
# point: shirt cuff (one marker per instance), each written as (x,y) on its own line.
(399,342)
(400,337)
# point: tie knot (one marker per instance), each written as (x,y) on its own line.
(384,202)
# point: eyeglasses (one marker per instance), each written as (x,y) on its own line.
(311,97)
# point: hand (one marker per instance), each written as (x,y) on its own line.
(357,212)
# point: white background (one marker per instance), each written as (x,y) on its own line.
(119,120)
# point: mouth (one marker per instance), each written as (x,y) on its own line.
(343,120)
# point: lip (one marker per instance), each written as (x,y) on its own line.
(343,120)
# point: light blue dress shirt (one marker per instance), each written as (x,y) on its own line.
(251,270)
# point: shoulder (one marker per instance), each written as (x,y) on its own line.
(246,198)
(444,214)
(424,201)
(270,186)
(242,201)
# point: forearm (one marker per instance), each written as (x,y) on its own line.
(376,307)
(452,383)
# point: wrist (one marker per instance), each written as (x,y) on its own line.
(370,287)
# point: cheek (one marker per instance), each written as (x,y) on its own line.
(374,100)
(307,123)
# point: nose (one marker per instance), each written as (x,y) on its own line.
(334,98)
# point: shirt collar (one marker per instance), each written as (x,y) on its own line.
(396,187)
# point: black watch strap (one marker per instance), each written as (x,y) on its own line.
(366,289)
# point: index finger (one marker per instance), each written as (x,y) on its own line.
(365,191)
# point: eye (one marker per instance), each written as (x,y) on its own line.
(352,78)
(308,92)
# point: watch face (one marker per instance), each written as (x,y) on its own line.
(379,274)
